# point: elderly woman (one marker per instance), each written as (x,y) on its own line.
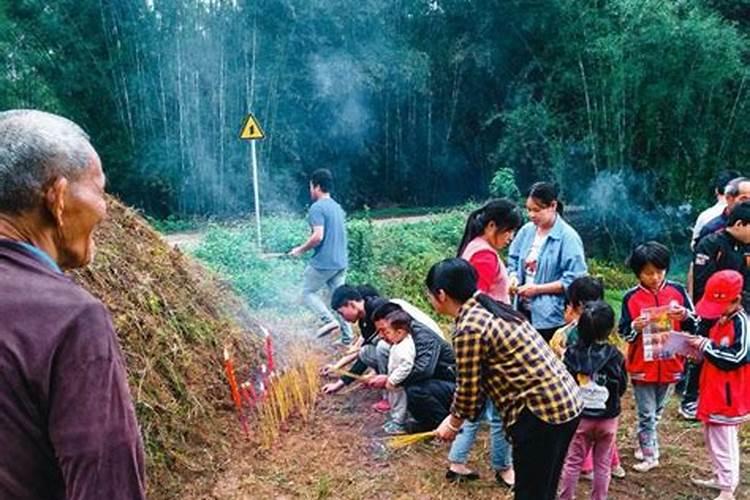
(544,258)
(67,422)
(499,356)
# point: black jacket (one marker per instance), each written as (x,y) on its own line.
(434,358)
(604,365)
(717,252)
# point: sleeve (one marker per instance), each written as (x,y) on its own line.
(406,356)
(468,398)
(689,324)
(623,376)
(625,328)
(487,266)
(699,223)
(514,254)
(573,260)
(705,264)
(92,423)
(315,216)
(732,356)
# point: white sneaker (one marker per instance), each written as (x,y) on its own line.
(638,454)
(725,495)
(706,483)
(588,476)
(326,329)
(618,472)
(646,465)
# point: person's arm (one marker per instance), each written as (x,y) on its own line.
(358,368)
(468,399)
(487,266)
(705,264)
(731,356)
(91,420)
(572,260)
(690,322)
(623,376)
(626,328)
(317,232)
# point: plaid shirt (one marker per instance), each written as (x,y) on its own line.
(513,365)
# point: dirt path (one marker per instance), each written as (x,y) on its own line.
(339,454)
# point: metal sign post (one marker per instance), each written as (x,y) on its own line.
(252,132)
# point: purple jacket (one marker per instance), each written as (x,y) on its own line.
(67,424)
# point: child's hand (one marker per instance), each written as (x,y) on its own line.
(639,323)
(376,381)
(677,312)
(389,386)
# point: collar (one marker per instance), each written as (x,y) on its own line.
(466,306)
(661,287)
(34,252)
(557,228)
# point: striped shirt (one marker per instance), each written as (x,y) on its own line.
(511,364)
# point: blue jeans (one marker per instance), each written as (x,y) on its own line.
(649,401)
(313,281)
(499,448)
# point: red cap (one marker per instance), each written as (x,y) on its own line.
(722,289)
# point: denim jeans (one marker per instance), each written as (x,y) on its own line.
(313,281)
(500,449)
(649,401)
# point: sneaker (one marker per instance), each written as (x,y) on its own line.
(706,483)
(688,411)
(725,495)
(393,429)
(638,454)
(646,465)
(327,329)
(382,406)
(588,475)
(618,472)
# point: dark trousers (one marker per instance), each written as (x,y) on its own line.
(429,402)
(539,451)
(692,379)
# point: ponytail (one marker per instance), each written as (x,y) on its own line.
(474,227)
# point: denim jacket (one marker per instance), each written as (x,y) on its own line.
(561,258)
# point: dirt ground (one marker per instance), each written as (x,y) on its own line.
(340,454)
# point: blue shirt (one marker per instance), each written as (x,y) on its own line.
(331,254)
(561,258)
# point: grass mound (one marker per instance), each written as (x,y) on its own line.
(173,320)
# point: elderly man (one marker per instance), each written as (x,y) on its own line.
(67,424)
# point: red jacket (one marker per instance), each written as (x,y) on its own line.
(725,376)
(665,371)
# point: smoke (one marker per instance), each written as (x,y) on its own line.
(620,210)
(340,86)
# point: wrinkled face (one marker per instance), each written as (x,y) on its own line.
(388,333)
(743,194)
(652,277)
(349,312)
(540,215)
(84,209)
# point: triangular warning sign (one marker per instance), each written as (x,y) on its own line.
(251,129)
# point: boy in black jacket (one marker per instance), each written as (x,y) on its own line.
(599,368)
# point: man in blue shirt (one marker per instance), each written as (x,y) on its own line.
(327,267)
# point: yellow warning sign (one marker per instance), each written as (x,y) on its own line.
(251,129)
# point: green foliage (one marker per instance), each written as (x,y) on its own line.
(503,184)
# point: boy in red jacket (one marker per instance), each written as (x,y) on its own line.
(653,379)
(724,401)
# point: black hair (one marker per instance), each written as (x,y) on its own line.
(545,193)
(651,252)
(399,320)
(596,322)
(384,310)
(323,179)
(740,212)
(458,279)
(584,289)
(346,293)
(502,212)
(723,178)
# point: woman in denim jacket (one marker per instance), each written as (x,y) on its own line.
(544,258)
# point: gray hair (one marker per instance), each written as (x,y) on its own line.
(35,149)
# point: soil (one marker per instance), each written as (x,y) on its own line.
(340,454)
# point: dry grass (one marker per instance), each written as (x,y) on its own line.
(172,319)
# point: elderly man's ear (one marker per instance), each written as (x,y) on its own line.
(54,199)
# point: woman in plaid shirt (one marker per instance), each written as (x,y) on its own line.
(499,355)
